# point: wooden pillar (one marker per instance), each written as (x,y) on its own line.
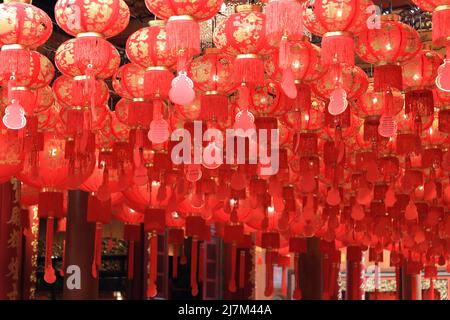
(79,248)
(10,241)
(311,274)
(354,269)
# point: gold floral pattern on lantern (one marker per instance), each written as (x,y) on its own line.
(128,82)
(243,32)
(24,24)
(198,9)
(106,17)
(147,47)
(39,74)
(65,61)
(354,81)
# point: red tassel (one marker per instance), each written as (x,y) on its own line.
(201,262)
(183,259)
(386,77)
(326,275)
(441,21)
(152,290)
(75,121)
(97,256)
(269,274)
(431,289)
(214,106)
(63,262)
(232,280)
(130,260)
(244,96)
(248,68)
(50,204)
(284,17)
(419,102)
(175,261)
(338,48)
(14,61)
(297,291)
(194,256)
(49,272)
(284,59)
(157,82)
(283,281)
(183,34)
(91,50)
(242,270)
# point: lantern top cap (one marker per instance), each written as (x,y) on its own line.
(248,8)
(157,23)
(390,17)
(18,1)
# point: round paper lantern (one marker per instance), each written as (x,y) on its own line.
(387,48)
(243,34)
(66,61)
(419,76)
(128,82)
(23,24)
(265,98)
(39,73)
(147,47)
(11,154)
(141,197)
(135,113)
(353,80)
(211,73)
(106,18)
(373,103)
(32,101)
(336,21)
(200,10)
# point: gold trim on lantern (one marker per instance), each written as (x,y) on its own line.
(138,100)
(212,92)
(248,8)
(247,56)
(14,46)
(442,8)
(158,68)
(48,189)
(80,78)
(79,108)
(338,33)
(89,34)
(178,18)
(19,88)
(106,150)
(157,23)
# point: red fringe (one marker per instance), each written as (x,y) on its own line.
(242,270)
(232,280)
(15,61)
(284,16)
(284,56)
(214,106)
(194,257)
(283,281)
(297,291)
(97,255)
(441,30)
(175,261)
(338,49)
(201,263)
(130,260)
(157,83)
(92,50)
(183,34)
(269,274)
(49,275)
(50,204)
(152,289)
(75,122)
(386,77)
(248,70)
(419,102)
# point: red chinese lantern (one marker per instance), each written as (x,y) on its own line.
(211,73)
(419,74)
(388,47)
(183,37)
(336,21)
